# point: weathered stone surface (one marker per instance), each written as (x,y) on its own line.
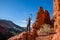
(41,18)
(56,17)
(57,28)
(56,12)
(57,35)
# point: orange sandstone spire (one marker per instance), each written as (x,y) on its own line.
(41,18)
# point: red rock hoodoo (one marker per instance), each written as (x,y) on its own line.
(42,17)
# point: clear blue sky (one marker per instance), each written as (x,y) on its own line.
(19,10)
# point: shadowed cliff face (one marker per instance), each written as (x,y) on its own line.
(42,17)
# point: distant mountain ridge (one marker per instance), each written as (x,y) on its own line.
(11,27)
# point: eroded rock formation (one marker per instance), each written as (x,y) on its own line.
(42,17)
(57,35)
(57,27)
(56,17)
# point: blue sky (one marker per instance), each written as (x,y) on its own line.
(19,10)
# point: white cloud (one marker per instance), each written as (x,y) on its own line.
(26,21)
(23,25)
(32,21)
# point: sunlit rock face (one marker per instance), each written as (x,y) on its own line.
(57,29)
(42,17)
(56,17)
(57,35)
